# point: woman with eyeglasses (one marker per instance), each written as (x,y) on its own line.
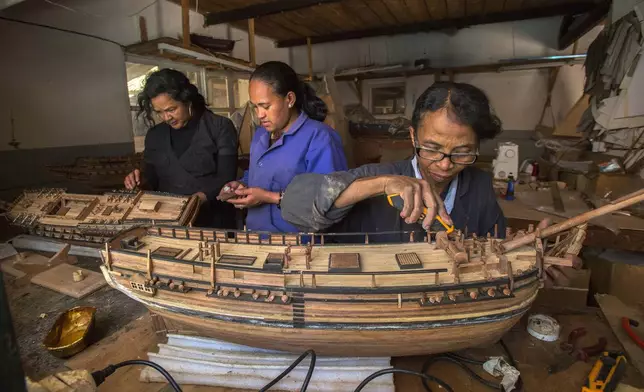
(190,150)
(448,124)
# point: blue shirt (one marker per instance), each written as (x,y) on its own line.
(450,197)
(308,146)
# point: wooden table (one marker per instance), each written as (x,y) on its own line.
(630,236)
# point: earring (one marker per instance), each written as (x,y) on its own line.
(190,110)
(290,105)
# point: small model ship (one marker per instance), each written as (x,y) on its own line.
(273,291)
(100,172)
(94,219)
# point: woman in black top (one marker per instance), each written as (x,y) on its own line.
(191,151)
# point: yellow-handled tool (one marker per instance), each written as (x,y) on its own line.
(606,373)
(396,201)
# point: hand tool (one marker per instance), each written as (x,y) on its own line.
(606,373)
(574,353)
(395,200)
(627,323)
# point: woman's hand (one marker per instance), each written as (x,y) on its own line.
(251,197)
(132,180)
(417,195)
(228,190)
(556,275)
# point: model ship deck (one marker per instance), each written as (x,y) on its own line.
(95,218)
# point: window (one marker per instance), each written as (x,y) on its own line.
(136,75)
(240,92)
(389,100)
(217,92)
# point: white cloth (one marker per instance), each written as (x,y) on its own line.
(451,192)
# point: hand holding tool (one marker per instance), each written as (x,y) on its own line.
(395,200)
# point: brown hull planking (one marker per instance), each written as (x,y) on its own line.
(363,343)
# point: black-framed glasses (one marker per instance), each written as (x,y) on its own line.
(458,158)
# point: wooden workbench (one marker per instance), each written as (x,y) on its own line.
(630,236)
(532,356)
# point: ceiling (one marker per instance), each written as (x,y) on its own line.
(290,22)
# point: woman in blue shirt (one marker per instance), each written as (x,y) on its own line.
(291,140)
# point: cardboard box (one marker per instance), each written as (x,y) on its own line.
(618,273)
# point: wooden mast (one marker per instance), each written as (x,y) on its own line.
(626,201)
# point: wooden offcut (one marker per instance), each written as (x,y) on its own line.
(60,279)
(149,205)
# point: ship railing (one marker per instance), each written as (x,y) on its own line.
(285,239)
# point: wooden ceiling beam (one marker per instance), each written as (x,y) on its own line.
(261,9)
(572,28)
(463,22)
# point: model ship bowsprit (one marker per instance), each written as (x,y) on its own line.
(94,219)
(273,291)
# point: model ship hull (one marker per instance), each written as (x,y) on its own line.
(271,291)
(94,219)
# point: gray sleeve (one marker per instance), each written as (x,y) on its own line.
(308,199)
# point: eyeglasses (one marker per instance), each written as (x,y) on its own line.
(456,158)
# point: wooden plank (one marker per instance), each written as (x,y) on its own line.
(492,6)
(380,9)
(456,8)
(261,9)
(513,5)
(143,29)
(456,19)
(613,310)
(418,10)
(251,42)
(60,279)
(400,10)
(437,8)
(474,7)
(573,29)
(359,10)
(185,22)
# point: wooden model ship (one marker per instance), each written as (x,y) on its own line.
(94,219)
(99,172)
(273,291)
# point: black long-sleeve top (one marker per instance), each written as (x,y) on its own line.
(200,157)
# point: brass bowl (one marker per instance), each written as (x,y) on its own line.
(70,333)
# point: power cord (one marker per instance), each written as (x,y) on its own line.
(100,375)
(462,361)
(307,379)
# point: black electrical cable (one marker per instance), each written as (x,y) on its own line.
(425,378)
(100,375)
(59,29)
(307,379)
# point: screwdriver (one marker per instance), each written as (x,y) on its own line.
(396,201)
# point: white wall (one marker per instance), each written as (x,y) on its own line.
(63,89)
(475,45)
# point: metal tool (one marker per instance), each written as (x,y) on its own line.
(573,353)
(606,373)
(395,200)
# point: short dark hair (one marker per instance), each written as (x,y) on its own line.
(283,79)
(465,104)
(171,82)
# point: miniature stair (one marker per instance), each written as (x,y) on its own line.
(203,361)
